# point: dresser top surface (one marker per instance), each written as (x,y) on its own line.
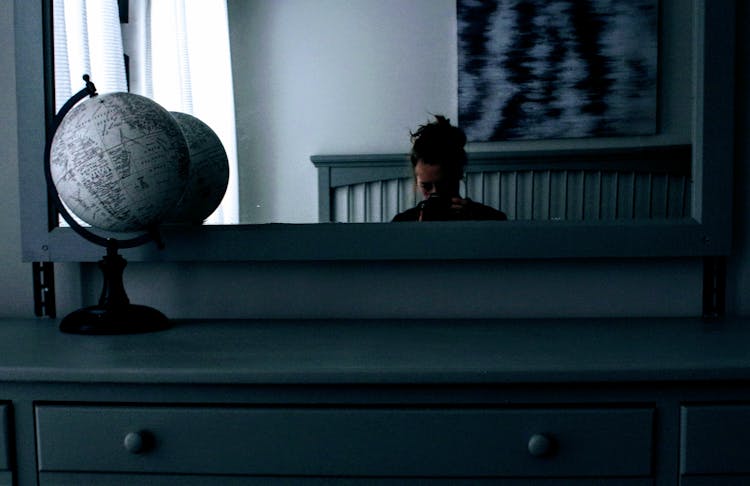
(455,351)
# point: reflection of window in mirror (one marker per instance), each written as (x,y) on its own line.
(176,53)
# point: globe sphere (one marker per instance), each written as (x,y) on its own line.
(209,171)
(120,162)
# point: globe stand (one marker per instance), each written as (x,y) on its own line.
(114,314)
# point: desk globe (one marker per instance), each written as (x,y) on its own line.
(209,172)
(121,163)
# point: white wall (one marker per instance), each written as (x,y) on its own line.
(362,289)
(15,277)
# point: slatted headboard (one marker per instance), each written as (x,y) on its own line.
(604,184)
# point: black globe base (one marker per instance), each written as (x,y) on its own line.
(109,320)
(114,314)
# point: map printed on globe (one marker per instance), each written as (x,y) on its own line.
(209,171)
(119,162)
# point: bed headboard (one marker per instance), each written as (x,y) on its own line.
(602,184)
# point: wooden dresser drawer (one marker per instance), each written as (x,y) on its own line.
(6,474)
(714,439)
(438,442)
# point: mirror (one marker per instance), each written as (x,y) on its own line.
(284,116)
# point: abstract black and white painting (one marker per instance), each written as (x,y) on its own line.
(541,69)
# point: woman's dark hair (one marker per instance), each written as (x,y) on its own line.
(440,143)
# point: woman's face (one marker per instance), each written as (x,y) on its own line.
(431,180)
(428,178)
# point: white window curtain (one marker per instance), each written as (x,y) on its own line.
(87,40)
(179,56)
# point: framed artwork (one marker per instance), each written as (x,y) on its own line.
(544,69)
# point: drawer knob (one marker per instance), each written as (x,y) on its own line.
(137,442)
(540,445)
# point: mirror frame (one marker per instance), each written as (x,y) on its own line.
(706,232)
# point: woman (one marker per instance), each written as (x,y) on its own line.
(438,159)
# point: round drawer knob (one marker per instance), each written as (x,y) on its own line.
(540,445)
(136,442)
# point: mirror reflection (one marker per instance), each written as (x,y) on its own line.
(285,81)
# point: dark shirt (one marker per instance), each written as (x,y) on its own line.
(473,211)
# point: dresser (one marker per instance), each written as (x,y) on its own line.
(647,401)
